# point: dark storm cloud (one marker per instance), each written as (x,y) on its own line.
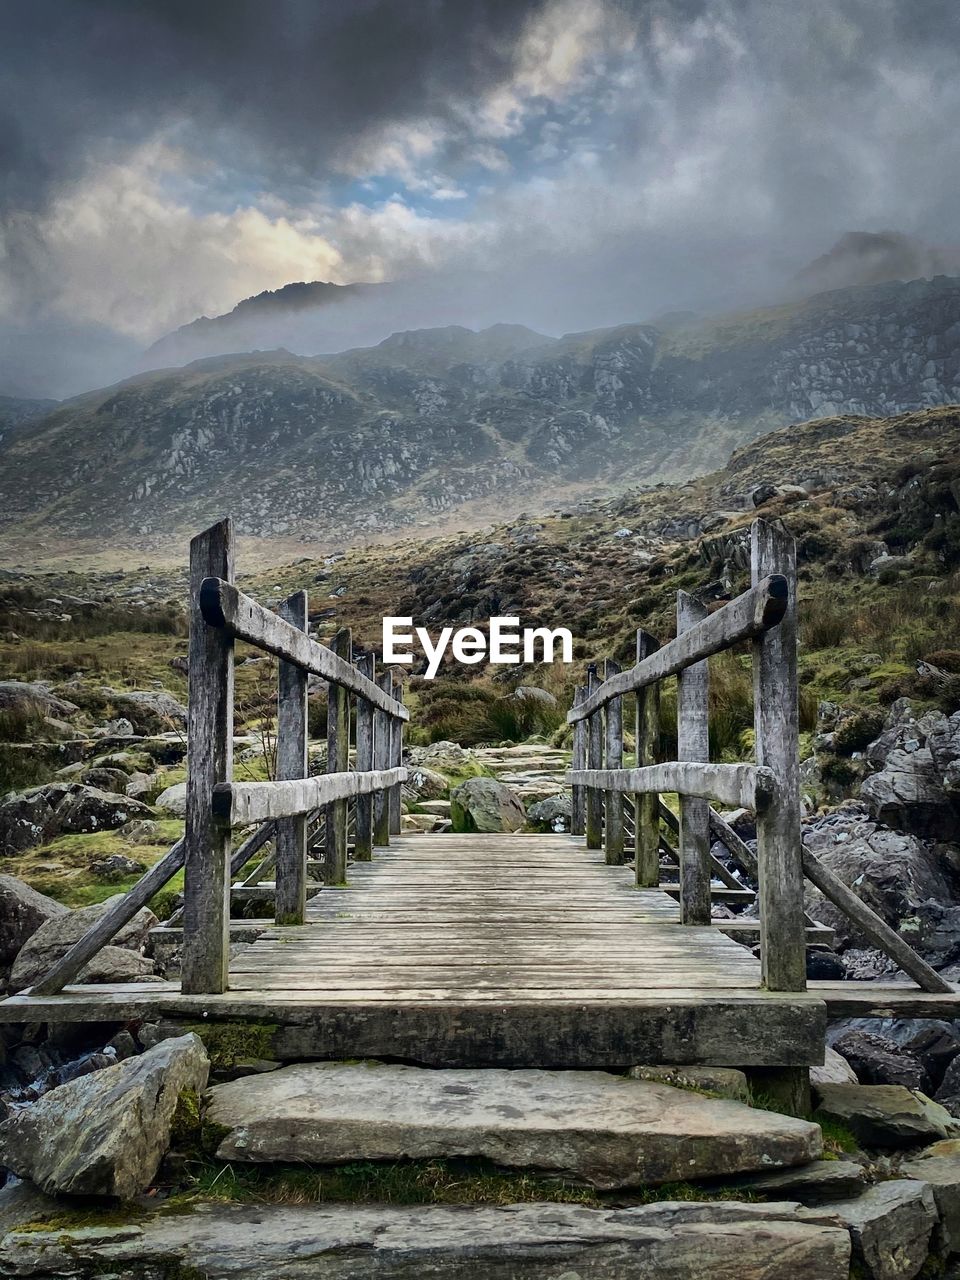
(293,78)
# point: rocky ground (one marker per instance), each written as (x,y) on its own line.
(92,762)
(187,1159)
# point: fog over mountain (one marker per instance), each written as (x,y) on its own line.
(564,164)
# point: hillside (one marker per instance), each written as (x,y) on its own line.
(450,427)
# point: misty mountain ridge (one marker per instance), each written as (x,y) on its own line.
(306,316)
(443,427)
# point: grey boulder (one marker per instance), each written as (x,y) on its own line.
(173,800)
(424,783)
(939,1166)
(25,698)
(105,1134)
(890,1225)
(22,912)
(484,804)
(885,1115)
(553,814)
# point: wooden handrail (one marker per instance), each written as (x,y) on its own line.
(224,605)
(736,785)
(756,611)
(236,804)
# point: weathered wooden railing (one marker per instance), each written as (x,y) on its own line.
(766,615)
(281,810)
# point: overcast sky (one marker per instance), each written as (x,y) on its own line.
(597,160)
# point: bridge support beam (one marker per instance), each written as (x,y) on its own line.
(363,839)
(786,1088)
(647,806)
(777,725)
(338,761)
(613,800)
(381,761)
(290,867)
(594,796)
(206,888)
(579,761)
(693,743)
(394,796)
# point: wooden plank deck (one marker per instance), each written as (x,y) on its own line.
(514,950)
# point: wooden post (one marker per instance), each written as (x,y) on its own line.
(594,797)
(396,757)
(647,806)
(693,743)
(381,761)
(613,800)
(579,761)
(777,725)
(338,761)
(206,887)
(363,840)
(290,868)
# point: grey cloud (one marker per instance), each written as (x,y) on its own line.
(292,79)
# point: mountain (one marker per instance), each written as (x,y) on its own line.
(266,317)
(443,427)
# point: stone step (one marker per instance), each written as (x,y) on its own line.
(664,1241)
(601,1129)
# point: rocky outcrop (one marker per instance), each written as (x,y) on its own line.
(25,698)
(892,871)
(885,1115)
(484,804)
(447,757)
(105,1134)
(596,1127)
(119,962)
(917,784)
(40,814)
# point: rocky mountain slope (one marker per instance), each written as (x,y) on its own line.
(437,426)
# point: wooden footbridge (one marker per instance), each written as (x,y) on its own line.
(549,950)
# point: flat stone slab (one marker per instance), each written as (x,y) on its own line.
(602,1129)
(668,1241)
(815,1183)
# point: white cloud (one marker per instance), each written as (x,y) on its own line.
(118,249)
